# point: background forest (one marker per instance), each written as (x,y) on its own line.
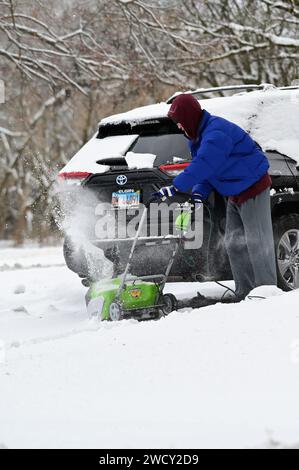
(65,64)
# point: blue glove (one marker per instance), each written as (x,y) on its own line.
(165,193)
(196,198)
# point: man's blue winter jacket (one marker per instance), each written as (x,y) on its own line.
(224,158)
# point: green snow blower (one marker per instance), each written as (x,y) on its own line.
(141,297)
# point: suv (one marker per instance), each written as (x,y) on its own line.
(102,170)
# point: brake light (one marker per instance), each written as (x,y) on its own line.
(174,169)
(73,177)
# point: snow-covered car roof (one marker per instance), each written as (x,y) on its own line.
(270,116)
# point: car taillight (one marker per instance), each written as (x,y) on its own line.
(174,169)
(74,177)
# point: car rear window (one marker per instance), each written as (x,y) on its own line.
(166,147)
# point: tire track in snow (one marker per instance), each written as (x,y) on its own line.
(15,344)
(18,267)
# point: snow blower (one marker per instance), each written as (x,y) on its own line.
(142,297)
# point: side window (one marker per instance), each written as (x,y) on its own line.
(164,146)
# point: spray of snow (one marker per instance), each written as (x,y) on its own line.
(77,221)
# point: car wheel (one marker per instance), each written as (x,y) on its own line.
(286,238)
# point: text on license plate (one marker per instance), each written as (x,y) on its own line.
(125,198)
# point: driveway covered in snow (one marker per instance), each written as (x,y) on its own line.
(220,376)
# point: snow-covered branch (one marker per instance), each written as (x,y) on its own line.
(109,55)
(272,38)
(11,133)
(31,42)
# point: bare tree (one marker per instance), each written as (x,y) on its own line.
(210,42)
(68,63)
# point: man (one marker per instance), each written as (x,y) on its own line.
(226,159)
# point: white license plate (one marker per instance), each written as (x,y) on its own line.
(125,199)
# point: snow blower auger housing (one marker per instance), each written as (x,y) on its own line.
(139,297)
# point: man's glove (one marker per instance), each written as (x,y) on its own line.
(165,193)
(196,198)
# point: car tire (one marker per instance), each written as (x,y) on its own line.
(286,240)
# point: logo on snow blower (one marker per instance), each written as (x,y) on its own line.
(121,179)
(135,293)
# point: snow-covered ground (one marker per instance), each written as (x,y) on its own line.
(220,376)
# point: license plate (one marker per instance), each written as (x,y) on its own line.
(125,199)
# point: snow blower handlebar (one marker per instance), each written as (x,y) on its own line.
(179,197)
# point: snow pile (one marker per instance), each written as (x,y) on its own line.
(264,292)
(270,117)
(136,115)
(95,150)
(20,289)
(140,160)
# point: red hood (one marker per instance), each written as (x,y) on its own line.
(186,110)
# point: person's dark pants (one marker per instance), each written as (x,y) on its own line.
(249,243)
